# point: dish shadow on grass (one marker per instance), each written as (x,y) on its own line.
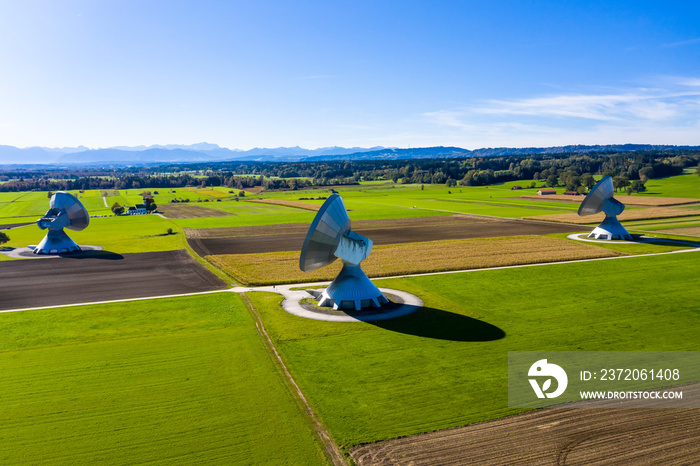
(105,255)
(429,322)
(665,241)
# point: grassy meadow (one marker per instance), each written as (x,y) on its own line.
(121,235)
(446,365)
(183,380)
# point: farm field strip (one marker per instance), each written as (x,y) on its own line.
(173,380)
(520,202)
(670,223)
(627,200)
(302,228)
(688,230)
(649,213)
(412,258)
(187,210)
(101,276)
(296,204)
(556,436)
(421,206)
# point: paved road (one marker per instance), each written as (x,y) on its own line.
(108,276)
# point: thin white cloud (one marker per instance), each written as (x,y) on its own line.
(645,115)
(642,104)
(690,82)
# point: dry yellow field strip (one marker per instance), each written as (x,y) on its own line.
(297,204)
(408,258)
(641,201)
(693,231)
(628,215)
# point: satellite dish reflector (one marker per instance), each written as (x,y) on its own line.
(65,211)
(601,199)
(329,225)
(330,238)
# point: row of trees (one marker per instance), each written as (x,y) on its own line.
(572,182)
(473,171)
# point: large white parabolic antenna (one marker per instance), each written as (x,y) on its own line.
(601,199)
(330,238)
(65,211)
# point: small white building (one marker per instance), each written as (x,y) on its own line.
(138,209)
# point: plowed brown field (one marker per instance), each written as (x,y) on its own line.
(290,237)
(552,436)
(101,276)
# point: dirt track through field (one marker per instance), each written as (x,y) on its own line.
(290,237)
(552,436)
(102,277)
(320,430)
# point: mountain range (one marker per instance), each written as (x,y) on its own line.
(205,152)
(201,152)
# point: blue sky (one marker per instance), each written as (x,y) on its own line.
(246,74)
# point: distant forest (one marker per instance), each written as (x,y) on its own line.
(570,170)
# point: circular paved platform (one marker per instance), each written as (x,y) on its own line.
(292,304)
(411,303)
(28,252)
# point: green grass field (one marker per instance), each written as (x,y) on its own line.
(685,185)
(126,234)
(184,380)
(446,365)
